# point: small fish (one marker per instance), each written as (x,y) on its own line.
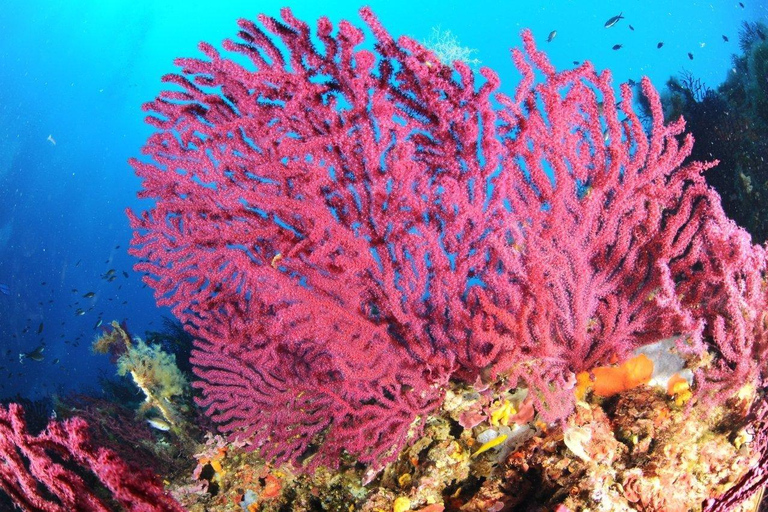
(4,289)
(89,295)
(659,44)
(55,361)
(741,4)
(760,34)
(631,28)
(690,55)
(40,328)
(51,140)
(35,355)
(617,47)
(631,83)
(551,36)
(125,274)
(159,424)
(725,38)
(78,263)
(117,246)
(614,20)
(575,63)
(98,324)
(496,441)
(43,283)
(79,312)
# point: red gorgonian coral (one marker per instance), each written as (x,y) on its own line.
(57,470)
(344,230)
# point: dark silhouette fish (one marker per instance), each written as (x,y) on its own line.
(35,355)
(659,45)
(4,289)
(614,20)
(617,47)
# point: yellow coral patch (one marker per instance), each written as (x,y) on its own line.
(682,398)
(583,383)
(676,384)
(401,504)
(501,415)
(680,389)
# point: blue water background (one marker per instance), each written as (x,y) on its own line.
(78,72)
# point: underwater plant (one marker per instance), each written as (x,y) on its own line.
(345,231)
(155,373)
(446,46)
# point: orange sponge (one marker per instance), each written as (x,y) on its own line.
(610,380)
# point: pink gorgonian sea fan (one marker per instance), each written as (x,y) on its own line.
(61,470)
(344,229)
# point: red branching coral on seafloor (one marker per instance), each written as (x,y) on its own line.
(47,472)
(344,230)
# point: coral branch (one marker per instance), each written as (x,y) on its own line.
(46,472)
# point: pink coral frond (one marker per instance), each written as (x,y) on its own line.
(45,472)
(344,230)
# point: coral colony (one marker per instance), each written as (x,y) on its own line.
(346,231)
(56,458)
